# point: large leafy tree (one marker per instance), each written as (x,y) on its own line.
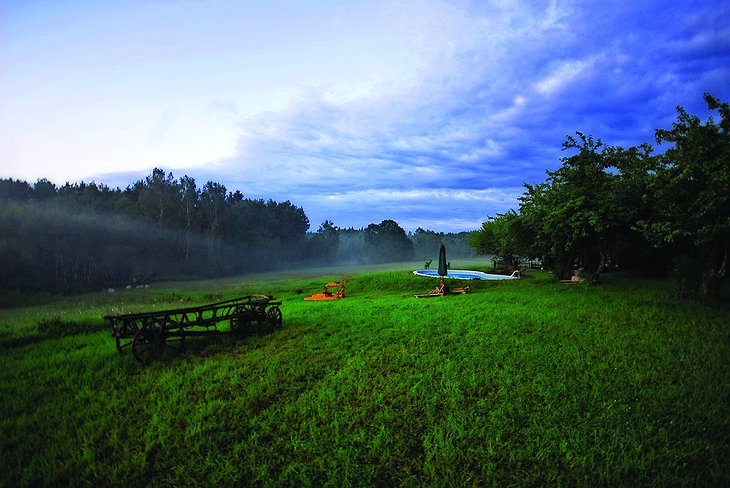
(575,213)
(289,224)
(584,214)
(387,241)
(689,198)
(505,236)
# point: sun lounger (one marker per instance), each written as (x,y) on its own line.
(439,291)
(442,290)
(429,294)
(575,280)
(327,295)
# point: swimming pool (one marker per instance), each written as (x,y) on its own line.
(463,274)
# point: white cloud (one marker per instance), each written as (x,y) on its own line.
(565,73)
(437,194)
(388,105)
(436,208)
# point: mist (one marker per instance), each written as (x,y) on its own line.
(85,237)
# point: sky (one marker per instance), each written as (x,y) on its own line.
(433,113)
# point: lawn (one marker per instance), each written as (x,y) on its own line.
(523,382)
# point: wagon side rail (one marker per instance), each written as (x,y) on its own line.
(171,326)
(200,308)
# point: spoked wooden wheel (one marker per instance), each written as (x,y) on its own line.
(124,335)
(156,340)
(174,339)
(240,321)
(273,318)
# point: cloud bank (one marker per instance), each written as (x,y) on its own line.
(495,90)
(432,113)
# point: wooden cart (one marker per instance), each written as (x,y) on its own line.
(156,334)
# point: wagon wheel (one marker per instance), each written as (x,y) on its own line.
(273,318)
(240,320)
(124,335)
(156,340)
(255,323)
(174,338)
(238,325)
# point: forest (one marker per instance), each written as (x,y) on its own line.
(608,207)
(84,236)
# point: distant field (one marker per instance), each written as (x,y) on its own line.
(525,382)
(339,271)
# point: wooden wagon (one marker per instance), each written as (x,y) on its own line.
(156,334)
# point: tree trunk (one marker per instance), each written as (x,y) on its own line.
(565,266)
(710,284)
(714,271)
(602,256)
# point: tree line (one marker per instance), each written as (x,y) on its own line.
(611,207)
(83,236)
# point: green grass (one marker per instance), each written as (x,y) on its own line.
(525,382)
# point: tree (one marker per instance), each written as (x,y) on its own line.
(504,236)
(567,213)
(288,223)
(213,207)
(426,243)
(690,203)
(190,202)
(459,244)
(159,198)
(351,245)
(87,235)
(387,241)
(585,212)
(629,249)
(44,190)
(325,242)
(15,190)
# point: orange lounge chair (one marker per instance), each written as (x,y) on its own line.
(327,295)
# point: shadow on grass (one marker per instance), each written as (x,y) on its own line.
(54,328)
(218,343)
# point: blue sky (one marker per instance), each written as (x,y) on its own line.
(432,113)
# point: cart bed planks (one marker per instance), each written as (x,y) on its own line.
(156,334)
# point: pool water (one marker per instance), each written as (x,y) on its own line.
(463,274)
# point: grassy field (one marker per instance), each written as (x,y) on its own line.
(525,382)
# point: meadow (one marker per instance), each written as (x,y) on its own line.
(520,382)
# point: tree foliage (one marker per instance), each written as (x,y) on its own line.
(630,207)
(503,236)
(325,242)
(387,241)
(579,214)
(426,243)
(690,204)
(86,235)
